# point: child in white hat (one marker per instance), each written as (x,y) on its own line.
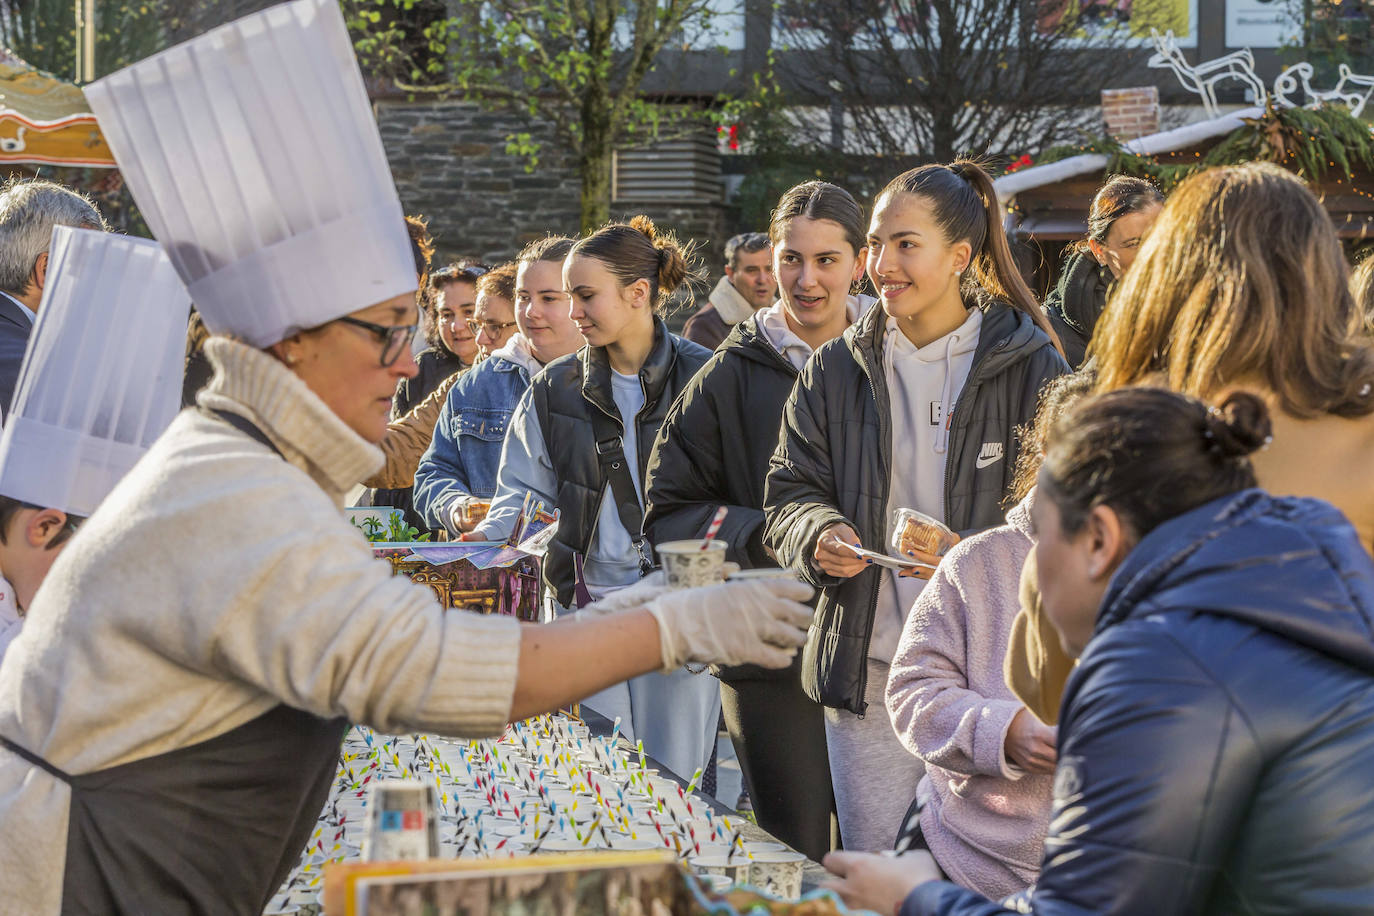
(100,381)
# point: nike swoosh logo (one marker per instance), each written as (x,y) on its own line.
(984,462)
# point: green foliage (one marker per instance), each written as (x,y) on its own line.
(43,33)
(577,64)
(1308,141)
(395,531)
(1332,32)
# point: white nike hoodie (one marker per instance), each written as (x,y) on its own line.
(923,386)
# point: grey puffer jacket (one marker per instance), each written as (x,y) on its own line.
(834,463)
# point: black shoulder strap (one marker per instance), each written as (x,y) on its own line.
(245,426)
(610,452)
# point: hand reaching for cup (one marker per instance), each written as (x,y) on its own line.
(757,622)
(878,882)
(461,517)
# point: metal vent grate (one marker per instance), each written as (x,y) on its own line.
(673,170)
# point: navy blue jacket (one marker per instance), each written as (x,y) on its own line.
(1217,738)
(15,328)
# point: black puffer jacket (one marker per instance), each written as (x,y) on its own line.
(713,450)
(563,397)
(1077,302)
(834,463)
(1216,739)
(718,440)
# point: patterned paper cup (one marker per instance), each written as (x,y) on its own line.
(778,873)
(692,564)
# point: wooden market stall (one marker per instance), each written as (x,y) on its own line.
(1048,204)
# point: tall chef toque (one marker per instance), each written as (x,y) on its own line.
(253,155)
(101,377)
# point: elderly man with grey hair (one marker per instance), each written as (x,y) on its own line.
(29,208)
(748,285)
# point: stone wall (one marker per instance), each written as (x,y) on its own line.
(450,163)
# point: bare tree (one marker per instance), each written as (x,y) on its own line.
(935,79)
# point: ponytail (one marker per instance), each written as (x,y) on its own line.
(639,250)
(964,202)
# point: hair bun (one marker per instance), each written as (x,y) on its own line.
(1240,427)
(646,226)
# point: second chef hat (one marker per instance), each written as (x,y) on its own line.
(253,155)
(101,378)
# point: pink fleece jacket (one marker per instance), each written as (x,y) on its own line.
(984,819)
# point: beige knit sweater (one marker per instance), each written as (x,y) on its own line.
(214,583)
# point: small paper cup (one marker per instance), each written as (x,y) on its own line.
(735,870)
(692,564)
(717,884)
(778,873)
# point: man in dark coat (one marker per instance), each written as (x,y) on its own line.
(29,209)
(748,285)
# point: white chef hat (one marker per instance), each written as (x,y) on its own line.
(101,377)
(253,155)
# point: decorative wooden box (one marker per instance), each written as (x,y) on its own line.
(513,590)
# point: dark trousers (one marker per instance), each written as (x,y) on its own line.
(779,736)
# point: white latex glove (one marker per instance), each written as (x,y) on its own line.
(754,622)
(630,598)
(635,597)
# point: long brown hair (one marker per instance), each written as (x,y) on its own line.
(965,204)
(1241,278)
(1362,288)
(1056,398)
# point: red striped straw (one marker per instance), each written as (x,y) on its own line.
(715,527)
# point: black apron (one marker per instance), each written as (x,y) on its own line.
(210,828)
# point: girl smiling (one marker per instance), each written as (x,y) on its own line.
(915,406)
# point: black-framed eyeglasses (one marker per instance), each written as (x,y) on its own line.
(493,328)
(394,337)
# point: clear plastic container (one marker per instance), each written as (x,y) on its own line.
(912,531)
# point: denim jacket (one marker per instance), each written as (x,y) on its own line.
(465,454)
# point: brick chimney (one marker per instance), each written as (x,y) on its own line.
(1131,113)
